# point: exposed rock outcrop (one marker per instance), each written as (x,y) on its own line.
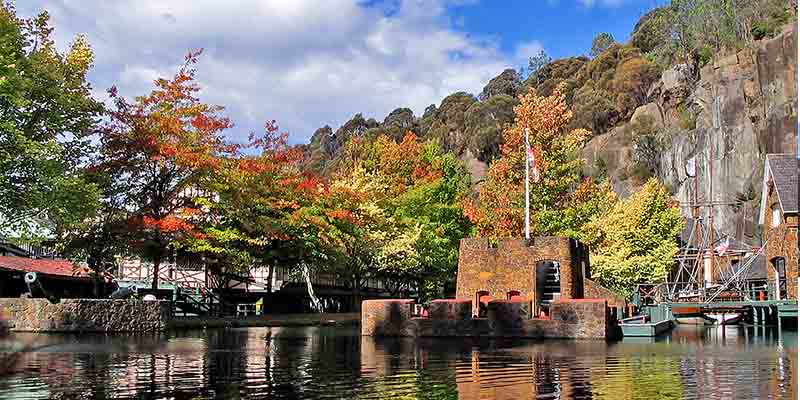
(742,107)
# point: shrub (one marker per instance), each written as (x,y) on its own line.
(632,80)
(761,30)
(686,118)
(593,110)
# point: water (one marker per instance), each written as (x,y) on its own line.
(336,363)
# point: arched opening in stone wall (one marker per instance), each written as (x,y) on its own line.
(548,283)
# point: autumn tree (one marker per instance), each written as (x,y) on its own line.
(561,199)
(250,220)
(163,145)
(404,220)
(46,116)
(635,242)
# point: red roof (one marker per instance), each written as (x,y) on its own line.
(49,267)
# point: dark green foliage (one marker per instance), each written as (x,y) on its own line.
(398,123)
(356,126)
(632,80)
(761,30)
(647,148)
(507,83)
(593,109)
(485,123)
(600,172)
(601,43)
(447,124)
(692,31)
(686,118)
(651,30)
(555,73)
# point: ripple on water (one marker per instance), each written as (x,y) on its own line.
(335,363)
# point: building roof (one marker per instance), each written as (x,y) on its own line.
(782,170)
(64,268)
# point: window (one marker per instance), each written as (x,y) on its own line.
(776,216)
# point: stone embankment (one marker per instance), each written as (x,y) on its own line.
(569,319)
(85,315)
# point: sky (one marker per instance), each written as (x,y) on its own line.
(308,63)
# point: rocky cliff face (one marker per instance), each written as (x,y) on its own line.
(740,108)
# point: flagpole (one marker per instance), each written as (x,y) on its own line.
(527,188)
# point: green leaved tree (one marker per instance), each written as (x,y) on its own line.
(635,242)
(46,116)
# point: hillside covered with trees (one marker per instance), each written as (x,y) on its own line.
(154,176)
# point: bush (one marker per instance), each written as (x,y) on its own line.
(593,110)
(647,148)
(484,125)
(761,30)
(600,172)
(632,80)
(686,118)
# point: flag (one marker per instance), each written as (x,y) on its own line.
(532,164)
(723,247)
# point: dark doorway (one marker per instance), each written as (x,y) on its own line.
(548,283)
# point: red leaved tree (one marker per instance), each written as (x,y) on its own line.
(162,146)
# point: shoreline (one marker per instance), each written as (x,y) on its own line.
(274,320)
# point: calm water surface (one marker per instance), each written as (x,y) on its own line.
(336,363)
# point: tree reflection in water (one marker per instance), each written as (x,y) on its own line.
(334,362)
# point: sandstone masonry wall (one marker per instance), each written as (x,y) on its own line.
(591,290)
(511,266)
(85,315)
(781,241)
(571,319)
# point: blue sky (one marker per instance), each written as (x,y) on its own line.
(307,63)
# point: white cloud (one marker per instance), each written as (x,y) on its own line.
(305,63)
(526,50)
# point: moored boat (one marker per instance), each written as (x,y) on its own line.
(729,318)
(641,326)
(691,316)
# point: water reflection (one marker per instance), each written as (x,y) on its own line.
(337,363)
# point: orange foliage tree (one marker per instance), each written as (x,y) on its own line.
(162,146)
(250,222)
(562,200)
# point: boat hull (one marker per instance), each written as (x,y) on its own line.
(726,319)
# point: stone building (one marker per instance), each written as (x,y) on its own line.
(778,216)
(542,270)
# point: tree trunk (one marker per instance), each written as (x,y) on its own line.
(271,270)
(315,303)
(356,295)
(156,265)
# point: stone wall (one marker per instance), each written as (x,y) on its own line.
(511,266)
(85,315)
(781,241)
(591,290)
(570,319)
